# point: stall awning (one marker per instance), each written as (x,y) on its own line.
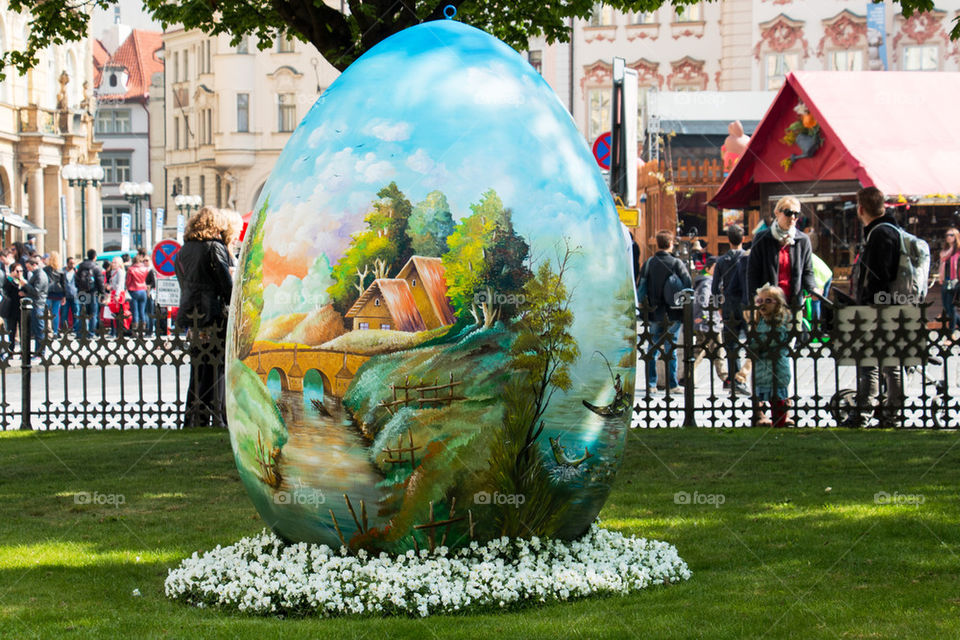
(10,219)
(896,130)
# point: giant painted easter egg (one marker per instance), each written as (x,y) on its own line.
(432,335)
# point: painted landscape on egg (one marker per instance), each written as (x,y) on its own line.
(423,353)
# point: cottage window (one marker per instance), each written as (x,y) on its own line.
(376,302)
(385,326)
(413,282)
(364,325)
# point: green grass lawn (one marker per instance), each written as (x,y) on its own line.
(781,557)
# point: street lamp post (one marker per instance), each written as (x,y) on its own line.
(190,203)
(135,193)
(83,175)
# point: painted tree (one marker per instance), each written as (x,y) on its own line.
(543,349)
(430,224)
(378,251)
(486,262)
(248,306)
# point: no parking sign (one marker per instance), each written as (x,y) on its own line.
(164,254)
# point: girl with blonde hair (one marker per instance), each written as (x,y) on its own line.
(770,344)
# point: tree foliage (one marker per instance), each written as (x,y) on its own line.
(485,265)
(248,306)
(543,349)
(378,251)
(430,224)
(340,37)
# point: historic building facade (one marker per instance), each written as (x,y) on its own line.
(125,62)
(46,122)
(229,111)
(736,45)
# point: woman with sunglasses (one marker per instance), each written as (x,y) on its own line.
(949,274)
(781,255)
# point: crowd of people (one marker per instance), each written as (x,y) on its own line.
(752,300)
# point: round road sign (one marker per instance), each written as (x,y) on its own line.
(601,149)
(163,256)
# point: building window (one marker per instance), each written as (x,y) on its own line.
(413,282)
(176,66)
(186,132)
(286,111)
(285,44)
(186,65)
(644,17)
(777,66)
(176,132)
(364,325)
(111,217)
(208,126)
(385,326)
(116,168)
(376,302)
(691,13)
(601,15)
(924,57)
(536,60)
(209,63)
(243,112)
(218,185)
(598,107)
(113,121)
(845,61)
(243,47)
(203,187)
(186,185)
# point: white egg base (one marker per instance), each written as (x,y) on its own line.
(263,576)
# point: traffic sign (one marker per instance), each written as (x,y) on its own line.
(168,292)
(163,256)
(601,149)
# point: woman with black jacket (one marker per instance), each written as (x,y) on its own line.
(204,271)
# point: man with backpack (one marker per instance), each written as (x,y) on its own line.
(729,287)
(89,282)
(884,274)
(663,280)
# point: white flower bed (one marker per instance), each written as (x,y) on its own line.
(261,575)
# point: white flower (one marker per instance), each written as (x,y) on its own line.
(136,593)
(262,576)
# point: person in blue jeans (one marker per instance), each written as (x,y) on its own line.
(71,304)
(35,287)
(136,283)
(665,316)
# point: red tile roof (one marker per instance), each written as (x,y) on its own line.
(138,55)
(399,302)
(433,277)
(100,58)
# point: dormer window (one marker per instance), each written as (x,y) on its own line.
(113,79)
(413,282)
(376,302)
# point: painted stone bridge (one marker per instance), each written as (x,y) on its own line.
(293,363)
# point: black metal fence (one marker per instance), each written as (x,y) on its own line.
(92,373)
(91,376)
(827,360)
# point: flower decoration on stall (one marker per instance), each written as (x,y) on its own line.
(803,132)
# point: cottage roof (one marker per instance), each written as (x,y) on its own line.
(398,298)
(895,130)
(138,55)
(433,277)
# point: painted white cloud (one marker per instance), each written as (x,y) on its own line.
(370,169)
(389,131)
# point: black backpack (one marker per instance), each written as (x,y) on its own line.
(85,279)
(57,283)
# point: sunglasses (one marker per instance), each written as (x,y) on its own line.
(951,235)
(765,300)
(790,213)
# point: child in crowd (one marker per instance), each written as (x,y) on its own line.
(770,346)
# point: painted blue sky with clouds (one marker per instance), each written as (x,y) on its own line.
(447,106)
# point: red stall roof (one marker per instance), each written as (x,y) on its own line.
(896,130)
